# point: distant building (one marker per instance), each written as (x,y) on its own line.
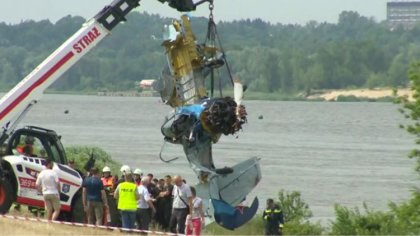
(146,83)
(403,13)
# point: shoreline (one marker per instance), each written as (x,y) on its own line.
(333,95)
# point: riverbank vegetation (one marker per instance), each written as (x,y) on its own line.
(82,154)
(270,58)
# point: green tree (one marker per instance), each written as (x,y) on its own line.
(293,206)
(397,73)
(81,154)
(270,58)
(8,74)
(404,218)
(411,109)
(296,215)
(352,222)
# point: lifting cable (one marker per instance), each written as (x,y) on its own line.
(212,36)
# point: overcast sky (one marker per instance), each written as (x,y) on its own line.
(275,11)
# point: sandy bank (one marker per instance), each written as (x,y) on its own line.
(332,95)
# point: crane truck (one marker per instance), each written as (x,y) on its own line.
(19,162)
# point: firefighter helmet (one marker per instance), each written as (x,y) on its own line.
(138,171)
(125,169)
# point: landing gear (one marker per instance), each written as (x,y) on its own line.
(6,196)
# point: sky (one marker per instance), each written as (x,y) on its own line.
(274,11)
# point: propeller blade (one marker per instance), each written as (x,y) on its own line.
(238,92)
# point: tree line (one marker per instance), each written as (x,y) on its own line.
(355,52)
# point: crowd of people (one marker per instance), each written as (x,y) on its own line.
(168,203)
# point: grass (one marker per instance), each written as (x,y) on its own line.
(8,227)
(253,227)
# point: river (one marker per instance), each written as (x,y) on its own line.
(346,153)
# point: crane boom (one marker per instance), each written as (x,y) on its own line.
(31,88)
(15,104)
(18,101)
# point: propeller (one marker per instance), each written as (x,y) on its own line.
(238,92)
(238,95)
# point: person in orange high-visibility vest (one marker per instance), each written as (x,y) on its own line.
(107,180)
(127,195)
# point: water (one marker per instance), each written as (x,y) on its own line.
(346,153)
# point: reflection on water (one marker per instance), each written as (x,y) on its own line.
(343,153)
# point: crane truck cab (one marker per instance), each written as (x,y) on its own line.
(23,157)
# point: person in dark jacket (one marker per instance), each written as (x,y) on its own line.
(273,218)
(166,195)
(94,198)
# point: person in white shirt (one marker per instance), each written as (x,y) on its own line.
(195,221)
(49,184)
(144,205)
(181,205)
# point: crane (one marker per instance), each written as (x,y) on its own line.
(19,165)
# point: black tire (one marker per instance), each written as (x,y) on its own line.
(6,196)
(77,210)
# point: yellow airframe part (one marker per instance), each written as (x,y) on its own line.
(182,52)
(186,61)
